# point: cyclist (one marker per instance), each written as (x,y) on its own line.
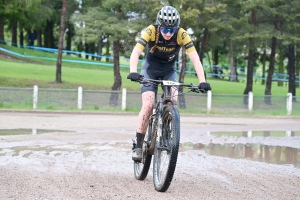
(164,40)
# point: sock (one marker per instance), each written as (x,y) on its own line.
(139,140)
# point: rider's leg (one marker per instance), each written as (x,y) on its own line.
(174,93)
(143,118)
(148,99)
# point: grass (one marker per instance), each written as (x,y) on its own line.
(21,74)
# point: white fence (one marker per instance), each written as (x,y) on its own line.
(209,104)
(96,100)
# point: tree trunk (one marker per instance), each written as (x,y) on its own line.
(297,67)
(263,76)
(39,38)
(117,76)
(61,41)
(92,50)
(233,72)
(14,34)
(107,50)
(249,83)
(291,70)
(181,97)
(281,65)
(21,38)
(99,50)
(48,35)
(70,35)
(215,56)
(86,50)
(271,71)
(2,32)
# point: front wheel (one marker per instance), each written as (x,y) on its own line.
(166,150)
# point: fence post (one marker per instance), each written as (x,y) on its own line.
(289,103)
(288,133)
(249,134)
(80,97)
(123,98)
(250,102)
(209,99)
(35,96)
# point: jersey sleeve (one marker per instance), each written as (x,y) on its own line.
(147,35)
(183,38)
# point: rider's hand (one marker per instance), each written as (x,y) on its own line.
(134,76)
(204,87)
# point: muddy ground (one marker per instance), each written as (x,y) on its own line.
(56,155)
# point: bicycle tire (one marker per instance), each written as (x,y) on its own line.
(141,169)
(165,163)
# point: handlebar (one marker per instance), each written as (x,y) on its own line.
(191,87)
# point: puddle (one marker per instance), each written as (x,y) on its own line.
(4,132)
(256,152)
(288,133)
(257,149)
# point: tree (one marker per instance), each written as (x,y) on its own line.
(298,66)
(251,50)
(291,70)
(293,40)
(18,14)
(273,12)
(185,19)
(2,20)
(111,18)
(61,41)
(234,21)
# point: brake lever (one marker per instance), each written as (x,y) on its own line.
(195,90)
(202,91)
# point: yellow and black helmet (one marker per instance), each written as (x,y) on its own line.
(168,16)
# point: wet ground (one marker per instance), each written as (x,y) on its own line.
(88,156)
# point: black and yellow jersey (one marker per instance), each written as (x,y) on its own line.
(166,50)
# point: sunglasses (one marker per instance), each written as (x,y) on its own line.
(166,30)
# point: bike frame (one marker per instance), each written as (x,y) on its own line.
(163,135)
(164,100)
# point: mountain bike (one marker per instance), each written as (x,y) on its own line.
(162,136)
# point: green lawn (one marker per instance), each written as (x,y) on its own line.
(21,74)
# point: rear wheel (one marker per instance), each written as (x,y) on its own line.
(141,169)
(166,150)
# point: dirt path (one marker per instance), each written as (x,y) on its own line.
(88,156)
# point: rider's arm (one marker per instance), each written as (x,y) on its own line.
(184,39)
(134,59)
(194,57)
(147,35)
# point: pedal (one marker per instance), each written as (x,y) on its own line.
(133,144)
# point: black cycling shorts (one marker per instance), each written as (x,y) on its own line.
(157,72)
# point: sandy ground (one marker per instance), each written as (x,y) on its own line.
(88,156)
